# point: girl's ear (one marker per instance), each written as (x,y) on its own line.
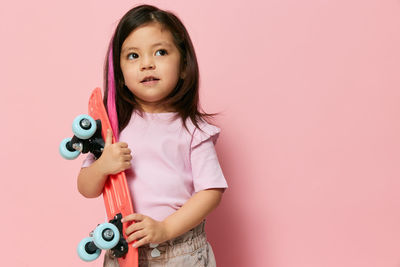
(183,70)
(183,74)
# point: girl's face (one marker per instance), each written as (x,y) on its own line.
(150,64)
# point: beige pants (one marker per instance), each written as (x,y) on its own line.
(189,249)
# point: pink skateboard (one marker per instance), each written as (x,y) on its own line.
(90,132)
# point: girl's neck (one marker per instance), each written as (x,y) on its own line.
(155,109)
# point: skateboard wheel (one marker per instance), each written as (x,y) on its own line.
(106,236)
(84,126)
(83,252)
(66,152)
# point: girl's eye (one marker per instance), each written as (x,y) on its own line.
(132,56)
(163,52)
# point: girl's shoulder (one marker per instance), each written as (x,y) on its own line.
(204,132)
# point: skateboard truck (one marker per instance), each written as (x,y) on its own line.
(122,247)
(94,144)
(107,236)
(87,138)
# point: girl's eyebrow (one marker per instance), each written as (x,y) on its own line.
(156,44)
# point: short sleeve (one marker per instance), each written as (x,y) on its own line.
(206,170)
(88,160)
(207,132)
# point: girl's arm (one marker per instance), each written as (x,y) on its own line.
(147,230)
(193,212)
(114,159)
(91,180)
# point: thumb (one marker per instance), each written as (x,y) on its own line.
(108,137)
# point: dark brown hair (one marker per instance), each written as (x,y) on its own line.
(184,99)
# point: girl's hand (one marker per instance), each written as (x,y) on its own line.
(145,230)
(115,157)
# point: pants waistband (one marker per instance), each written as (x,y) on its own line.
(186,243)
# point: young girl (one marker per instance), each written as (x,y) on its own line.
(151,95)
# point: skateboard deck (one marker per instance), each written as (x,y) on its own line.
(117,198)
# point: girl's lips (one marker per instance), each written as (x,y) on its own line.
(149,78)
(150,83)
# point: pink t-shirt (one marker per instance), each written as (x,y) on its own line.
(169,163)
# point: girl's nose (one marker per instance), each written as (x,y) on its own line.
(147,64)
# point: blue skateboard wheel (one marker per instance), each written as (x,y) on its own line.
(85,255)
(106,236)
(65,152)
(84,126)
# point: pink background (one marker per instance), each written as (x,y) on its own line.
(309,97)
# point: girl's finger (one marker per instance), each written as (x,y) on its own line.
(141,242)
(108,138)
(127,164)
(134,227)
(127,157)
(133,217)
(126,151)
(139,235)
(123,145)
